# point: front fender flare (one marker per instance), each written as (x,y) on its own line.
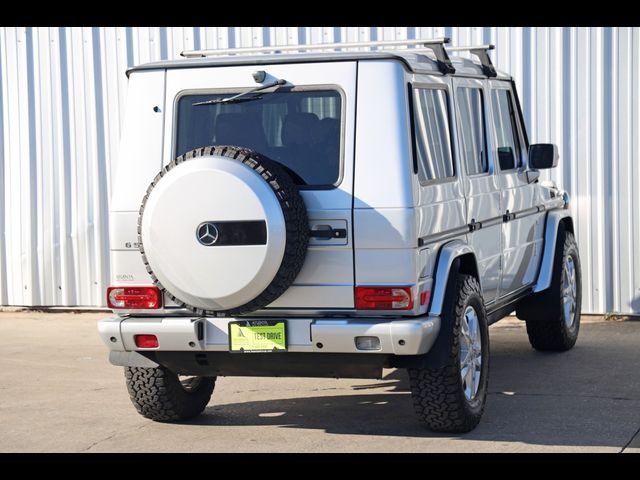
(554,218)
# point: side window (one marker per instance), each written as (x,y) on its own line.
(504,121)
(474,144)
(432,135)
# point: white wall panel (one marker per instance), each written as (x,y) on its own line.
(62,95)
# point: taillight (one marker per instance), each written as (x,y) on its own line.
(425,297)
(133,297)
(383,298)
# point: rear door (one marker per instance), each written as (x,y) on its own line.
(307,126)
(481,184)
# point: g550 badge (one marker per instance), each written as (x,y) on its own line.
(124,277)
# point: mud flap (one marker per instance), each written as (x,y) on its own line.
(438,356)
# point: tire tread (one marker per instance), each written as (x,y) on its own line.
(158,394)
(437,392)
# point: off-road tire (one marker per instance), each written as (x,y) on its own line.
(438,395)
(293,209)
(543,313)
(159,395)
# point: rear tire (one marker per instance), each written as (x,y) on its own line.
(446,399)
(553,316)
(158,394)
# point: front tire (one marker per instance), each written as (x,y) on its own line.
(553,316)
(452,398)
(158,394)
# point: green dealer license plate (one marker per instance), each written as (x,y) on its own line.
(251,336)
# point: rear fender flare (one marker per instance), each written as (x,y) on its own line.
(448,254)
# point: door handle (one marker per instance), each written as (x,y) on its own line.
(328,233)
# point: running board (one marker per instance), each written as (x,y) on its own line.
(506,306)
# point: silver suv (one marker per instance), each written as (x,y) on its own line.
(330,215)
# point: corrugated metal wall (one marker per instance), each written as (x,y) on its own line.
(62,96)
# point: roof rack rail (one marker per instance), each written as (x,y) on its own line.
(313,46)
(436,45)
(480,51)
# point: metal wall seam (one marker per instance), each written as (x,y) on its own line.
(62,99)
(3,201)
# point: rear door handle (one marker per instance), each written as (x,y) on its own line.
(328,233)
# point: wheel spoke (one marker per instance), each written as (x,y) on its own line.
(473,328)
(477,360)
(464,327)
(470,380)
(476,381)
(463,374)
(569,291)
(465,357)
(470,352)
(477,342)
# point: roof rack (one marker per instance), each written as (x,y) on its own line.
(316,46)
(436,45)
(480,51)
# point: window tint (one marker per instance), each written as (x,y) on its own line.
(505,128)
(300,130)
(431,130)
(472,133)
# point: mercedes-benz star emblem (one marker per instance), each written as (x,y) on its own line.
(207,233)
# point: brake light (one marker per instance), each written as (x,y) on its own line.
(146,341)
(133,297)
(383,298)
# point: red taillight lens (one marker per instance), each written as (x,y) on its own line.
(425,297)
(146,341)
(383,298)
(133,297)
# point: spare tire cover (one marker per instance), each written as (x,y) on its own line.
(223,230)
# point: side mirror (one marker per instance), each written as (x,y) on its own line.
(543,155)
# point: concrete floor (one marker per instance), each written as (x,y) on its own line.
(59,393)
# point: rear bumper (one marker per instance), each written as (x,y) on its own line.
(404,336)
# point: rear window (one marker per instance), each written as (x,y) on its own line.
(298,129)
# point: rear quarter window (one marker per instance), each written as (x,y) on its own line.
(432,135)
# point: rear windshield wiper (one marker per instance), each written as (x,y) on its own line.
(242,97)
